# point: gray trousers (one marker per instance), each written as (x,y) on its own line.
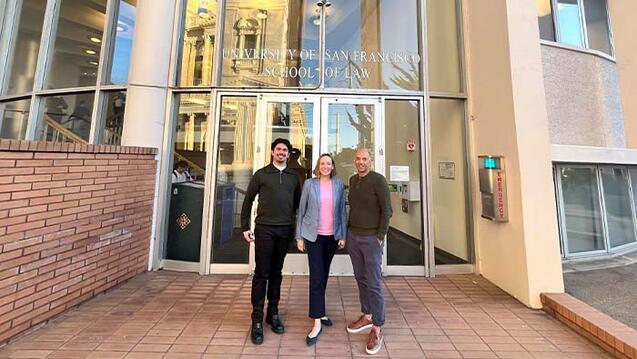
(367,260)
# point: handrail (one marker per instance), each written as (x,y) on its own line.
(63,130)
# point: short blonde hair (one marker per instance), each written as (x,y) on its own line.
(316,171)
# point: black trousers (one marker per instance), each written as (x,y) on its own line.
(319,256)
(271,245)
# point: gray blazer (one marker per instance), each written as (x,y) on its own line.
(307,221)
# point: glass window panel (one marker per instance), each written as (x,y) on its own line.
(270,44)
(188,177)
(113,117)
(545,19)
(67,118)
(14,119)
(405,235)
(23,55)
(633,179)
(123,44)
(449,182)
(349,127)
(373,44)
(293,121)
(197,56)
(597,27)
(570,23)
(443,44)
(581,212)
(619,213)
(235,165)
(76,53)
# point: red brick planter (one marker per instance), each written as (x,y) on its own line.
(75,220)
(614,337)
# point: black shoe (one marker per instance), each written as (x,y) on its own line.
(327,321)
(311,341)
(275,323)
(256,333)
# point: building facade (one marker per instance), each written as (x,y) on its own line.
(429,86)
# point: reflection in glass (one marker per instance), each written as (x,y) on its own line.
(449,180)
(404,238)
(188,177)
(123,44)
(113,117)
(443,42)
(597,27)
(67,118)
(349,127)
(619,213)
(200,24)
(570,23)
(372,44)
(293,121)
(235,166)
(23,56)
(270,44)
(545,19)
(633,182)
(76,47)
(582,214)
(14,119)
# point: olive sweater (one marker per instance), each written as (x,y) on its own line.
(370,205)
(279,194)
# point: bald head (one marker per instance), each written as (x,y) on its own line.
(362,161)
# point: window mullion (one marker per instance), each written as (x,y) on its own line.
(9,31)
(556,20)
(582,15)
(49,28)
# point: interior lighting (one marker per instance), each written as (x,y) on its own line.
(95,39)
(90,52)
(262,14)
(543,7)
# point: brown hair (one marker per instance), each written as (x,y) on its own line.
(316,171)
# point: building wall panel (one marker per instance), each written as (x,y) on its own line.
(582,98)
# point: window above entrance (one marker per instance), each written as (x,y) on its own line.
(352,44)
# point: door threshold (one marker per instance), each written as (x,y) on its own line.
(179,266)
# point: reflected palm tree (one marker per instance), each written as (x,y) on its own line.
(407,79)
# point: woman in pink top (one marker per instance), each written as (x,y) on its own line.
(320,229)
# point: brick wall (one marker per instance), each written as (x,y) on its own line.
(75,220)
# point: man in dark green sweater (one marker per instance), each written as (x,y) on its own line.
(369,214)
(279,193)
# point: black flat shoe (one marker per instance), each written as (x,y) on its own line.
(312,341)
(256,333)
(275,323)
(326,321)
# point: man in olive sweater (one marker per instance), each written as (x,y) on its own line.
(369,214)
(279,193)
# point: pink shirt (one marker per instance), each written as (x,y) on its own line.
(326,214)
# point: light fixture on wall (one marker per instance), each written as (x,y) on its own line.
(262,14)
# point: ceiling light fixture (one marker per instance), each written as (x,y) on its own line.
(95,39)
(94,63)
(90,52)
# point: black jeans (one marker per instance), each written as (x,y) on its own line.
(319,256)
(270,245)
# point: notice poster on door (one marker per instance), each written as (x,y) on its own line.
(399,173)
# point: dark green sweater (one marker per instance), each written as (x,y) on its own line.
(369,205)
(279,194)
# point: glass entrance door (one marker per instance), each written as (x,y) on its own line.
(315,125)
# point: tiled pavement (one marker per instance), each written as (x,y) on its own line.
(177,315)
